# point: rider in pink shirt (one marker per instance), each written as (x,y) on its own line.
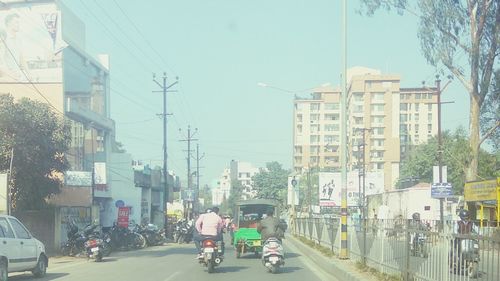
(209,225)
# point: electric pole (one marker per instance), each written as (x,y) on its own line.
(197,193)
(189,139)
(164,115)
(343,139)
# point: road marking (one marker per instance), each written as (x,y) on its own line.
(172,276)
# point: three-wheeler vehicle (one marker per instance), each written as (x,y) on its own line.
(247,216)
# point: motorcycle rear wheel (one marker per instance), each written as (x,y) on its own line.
(210,267)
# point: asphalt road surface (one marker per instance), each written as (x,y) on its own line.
(175,262)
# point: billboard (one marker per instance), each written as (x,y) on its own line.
(100,180)
(31,44)
(330,186)
(3,194)
(78,178)
(481,190)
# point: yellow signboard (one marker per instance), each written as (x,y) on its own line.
(481,190)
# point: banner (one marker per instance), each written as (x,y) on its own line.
(3,193)
(78,178)
(100,180)
(21,29)
(123,216)
(293,190)
(330,187)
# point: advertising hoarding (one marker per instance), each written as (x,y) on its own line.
(31,44)
(481,190)
(293,190)
(330,187)
(78,178)
(100,180)
(123,216)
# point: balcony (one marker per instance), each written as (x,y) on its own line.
(83,115)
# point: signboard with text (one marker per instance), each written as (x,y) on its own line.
(441,190)
(123,216)
(481,190)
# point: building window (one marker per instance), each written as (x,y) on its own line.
(378,119)
(314,138)
(429,106)
(314,106)
(377,143)
(331,127)
(378,131)
(332,117)
(403,107)
(429,128)
(417,107)
(429,117)
(417,117)
(298,159)
(378,96)
(416,128)
(298,149)
(403,118)
(358,108)
(377,107)
(358,96)
(403,129)
(331,159)
(314,149)
(377,154)
(313,159)
(418,96)
(299,106)
(380,166)
(332,106)
(314,128)
(331,139)
(299,118)
(314,117)
(358,120)
(299,129)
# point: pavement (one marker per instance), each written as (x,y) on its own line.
(342,270)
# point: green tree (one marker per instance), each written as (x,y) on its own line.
(490,113)
(271,182)
(308,189)
(447,29)
(456,154)
(39,139)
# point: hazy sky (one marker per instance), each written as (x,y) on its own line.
(220,50)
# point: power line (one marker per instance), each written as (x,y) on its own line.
(143,37)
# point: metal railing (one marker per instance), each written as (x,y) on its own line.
(425,251)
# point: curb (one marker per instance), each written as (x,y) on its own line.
(332,266)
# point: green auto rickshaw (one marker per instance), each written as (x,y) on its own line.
(247,216)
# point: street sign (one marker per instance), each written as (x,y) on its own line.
(123,216)
(441,190)
(188,195)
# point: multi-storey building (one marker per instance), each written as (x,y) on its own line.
(317,130)
(418,117)
(384,121)
(223,188)
(373,113)
(243,172)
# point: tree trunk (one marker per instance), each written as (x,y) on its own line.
(471,169)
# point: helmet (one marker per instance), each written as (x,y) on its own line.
(215,210)
(464,214)
(208,210)
(416,216)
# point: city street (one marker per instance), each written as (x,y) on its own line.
(176,262)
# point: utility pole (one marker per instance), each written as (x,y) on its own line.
(9,176)
(362,194)
(343,139)
(164,115)
(197,193)
(189,139)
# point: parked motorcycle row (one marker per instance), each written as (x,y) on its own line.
(183,231)
(95,242)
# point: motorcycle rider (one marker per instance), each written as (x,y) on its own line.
(416,224)
(208,225)
(465,226)
(270,226)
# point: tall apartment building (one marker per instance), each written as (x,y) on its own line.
(388,118)
(317,130)
(373,110)
(418,117)
(243,173)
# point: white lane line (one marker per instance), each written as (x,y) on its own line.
(171,277)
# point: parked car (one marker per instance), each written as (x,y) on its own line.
(19,250)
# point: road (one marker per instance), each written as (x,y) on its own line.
(174,262)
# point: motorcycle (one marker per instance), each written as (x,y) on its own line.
(95,249)
(273,255)
(150,233)
(465,259)
(183,231)
(211,256)
(74,245)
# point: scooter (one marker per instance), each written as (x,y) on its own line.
(211,256)
(95,249)
(273,256)
(465,260)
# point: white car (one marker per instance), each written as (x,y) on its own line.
(19,250)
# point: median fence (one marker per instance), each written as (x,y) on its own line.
(401,248)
